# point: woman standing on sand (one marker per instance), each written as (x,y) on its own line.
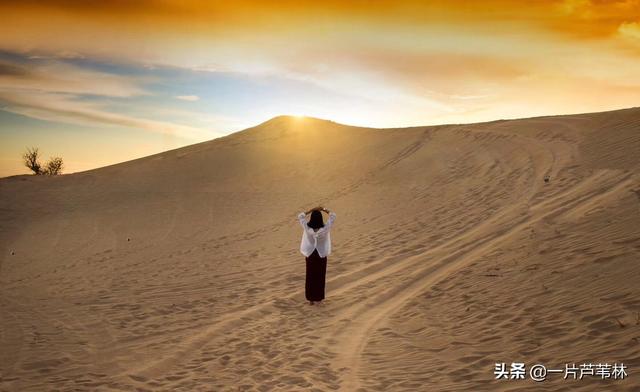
(315,246)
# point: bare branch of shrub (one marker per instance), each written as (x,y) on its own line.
(30,159)
(54,166)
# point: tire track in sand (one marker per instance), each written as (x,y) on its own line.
(352,336)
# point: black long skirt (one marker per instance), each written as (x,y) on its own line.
(316,274)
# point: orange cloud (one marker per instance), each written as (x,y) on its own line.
(630,30)
(223,20)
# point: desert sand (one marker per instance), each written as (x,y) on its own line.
(182,271)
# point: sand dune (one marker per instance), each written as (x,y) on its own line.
(181,271)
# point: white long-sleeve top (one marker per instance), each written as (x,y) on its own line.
(312,239)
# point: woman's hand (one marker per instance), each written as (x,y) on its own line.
(318,208)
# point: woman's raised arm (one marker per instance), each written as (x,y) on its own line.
(313,209)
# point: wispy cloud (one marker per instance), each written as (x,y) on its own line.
(57,91)
(190,98)
(64,108)
(59,77)
(64,54)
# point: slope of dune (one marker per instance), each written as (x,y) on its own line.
(181,271)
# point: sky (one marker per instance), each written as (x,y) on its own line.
(104,82)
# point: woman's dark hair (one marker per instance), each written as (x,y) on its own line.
(316,220)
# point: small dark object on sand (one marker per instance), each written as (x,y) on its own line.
(546,178)
(13,253)
(128,239)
